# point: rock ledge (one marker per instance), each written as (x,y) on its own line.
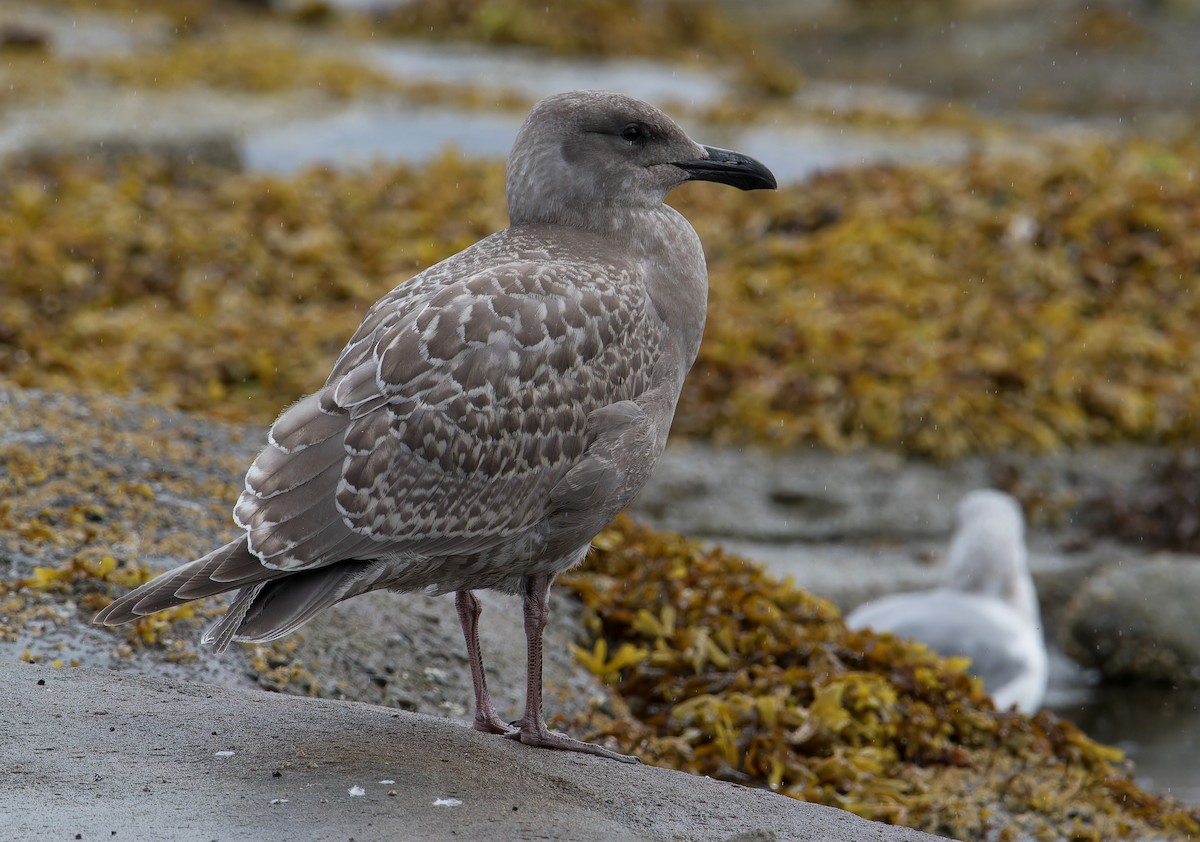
(112,755)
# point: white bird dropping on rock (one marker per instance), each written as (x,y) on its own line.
(987,610)
(491,415)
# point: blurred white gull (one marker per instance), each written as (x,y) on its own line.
(987,610)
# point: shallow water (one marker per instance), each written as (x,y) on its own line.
(390,131)
(1157,728)
(365,132)
(362,133)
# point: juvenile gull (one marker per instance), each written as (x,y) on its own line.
(491,415)
(987,610)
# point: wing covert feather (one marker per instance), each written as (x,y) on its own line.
(460,403)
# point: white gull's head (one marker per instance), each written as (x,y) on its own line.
(987,553)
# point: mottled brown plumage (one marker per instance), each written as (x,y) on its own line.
(493,414)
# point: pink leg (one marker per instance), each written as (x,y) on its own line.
(532,727)
(486,718)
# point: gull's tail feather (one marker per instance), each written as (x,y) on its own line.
(270,610)
(270,603)
(231,567)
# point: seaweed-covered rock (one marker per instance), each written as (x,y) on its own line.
(1138,622)
(722,670)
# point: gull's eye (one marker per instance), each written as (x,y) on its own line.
(633,133)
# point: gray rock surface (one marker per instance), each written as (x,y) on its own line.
(406,651)
(1152,602)
(99,755)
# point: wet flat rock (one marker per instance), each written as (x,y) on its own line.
(99,754)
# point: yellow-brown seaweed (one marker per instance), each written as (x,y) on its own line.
(936,310)
(755,681)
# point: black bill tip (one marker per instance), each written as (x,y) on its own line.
(732,168)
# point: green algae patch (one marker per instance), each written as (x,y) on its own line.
(935,310)
(717,668)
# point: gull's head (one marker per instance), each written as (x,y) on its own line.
(987,554)
(585,153)
(986,507)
